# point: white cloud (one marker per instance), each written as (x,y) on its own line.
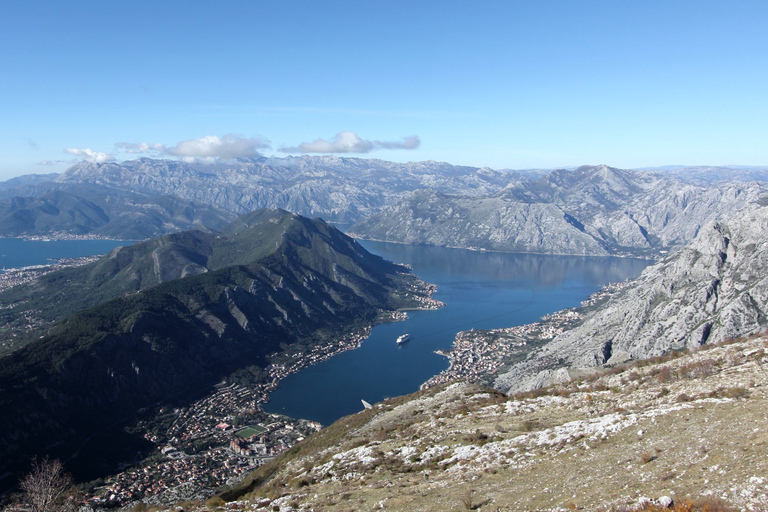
(212,147)
(349,142)
(140,147)
(53,162)
(411,142)
(90,155)
(205,149)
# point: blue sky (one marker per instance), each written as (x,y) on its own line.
(499,84)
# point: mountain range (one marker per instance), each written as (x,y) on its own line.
(336,189)
(160,319)
(594,211)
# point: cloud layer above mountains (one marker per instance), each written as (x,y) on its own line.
(349,142)
(212,148)
(90,155)
(205,149)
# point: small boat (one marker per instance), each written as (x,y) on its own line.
(402,339)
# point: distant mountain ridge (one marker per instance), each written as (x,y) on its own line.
(336,189)
(593,211)
(77,209)
(714,173)
(178,313)
(350,190)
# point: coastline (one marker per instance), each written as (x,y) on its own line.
(353,340)
(15,276)
(62,236)
(203,419)
(655,257)
(478,355)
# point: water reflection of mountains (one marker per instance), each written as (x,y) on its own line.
(545,270)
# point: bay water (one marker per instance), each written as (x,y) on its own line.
(17,252)
(481,290)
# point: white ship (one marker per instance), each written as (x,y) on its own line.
(402,339)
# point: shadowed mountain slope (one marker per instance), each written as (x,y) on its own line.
(200,306)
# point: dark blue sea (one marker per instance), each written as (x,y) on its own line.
(481,290)
(16,252)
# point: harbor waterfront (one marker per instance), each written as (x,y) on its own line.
(481,290)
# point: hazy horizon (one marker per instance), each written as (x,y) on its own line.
(506,85)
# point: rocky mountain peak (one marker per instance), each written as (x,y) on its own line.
(713,290)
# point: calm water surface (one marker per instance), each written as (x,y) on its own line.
(481,290)
(16,252)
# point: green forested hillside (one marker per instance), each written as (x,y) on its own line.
(162,333)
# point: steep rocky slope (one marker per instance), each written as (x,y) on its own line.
(590,211)
(714,289)
(494,223)
(690,425)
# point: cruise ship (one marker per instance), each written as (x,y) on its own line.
(402,339)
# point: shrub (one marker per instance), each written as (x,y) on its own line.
(664,375)
(214,502)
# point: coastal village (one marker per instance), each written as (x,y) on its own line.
(478,354)
(219,438)
(17,276)
(209,443)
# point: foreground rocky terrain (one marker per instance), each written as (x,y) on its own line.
(691,425)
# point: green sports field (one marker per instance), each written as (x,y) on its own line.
(250,430)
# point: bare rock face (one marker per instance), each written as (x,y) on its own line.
(592,211)
(485,223)
(337,189)
(714,289)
